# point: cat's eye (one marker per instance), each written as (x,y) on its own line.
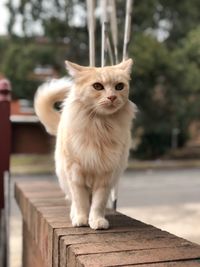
(98,86)
(119,86)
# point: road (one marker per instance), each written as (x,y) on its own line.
(168,199)
(160,187)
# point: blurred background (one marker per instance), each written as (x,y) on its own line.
(37,36)
(162,184)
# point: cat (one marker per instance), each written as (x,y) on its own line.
(93,135)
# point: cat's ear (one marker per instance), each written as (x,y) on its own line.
(126,65)
(73,68)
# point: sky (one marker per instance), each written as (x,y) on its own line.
(4,18)
(4,15)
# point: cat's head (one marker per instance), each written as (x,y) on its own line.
(105,90)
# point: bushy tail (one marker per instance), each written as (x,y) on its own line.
(46,96)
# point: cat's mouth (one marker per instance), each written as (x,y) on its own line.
(111,107)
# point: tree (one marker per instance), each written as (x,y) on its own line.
(182,16)
(166,88)
(21,58)
(186,76)
(149,92)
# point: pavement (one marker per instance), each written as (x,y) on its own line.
(166,198)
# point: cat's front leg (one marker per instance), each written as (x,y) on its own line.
(80,206)
(97,218)
(80,199)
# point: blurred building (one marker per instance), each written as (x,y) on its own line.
(44,73)
(28,135)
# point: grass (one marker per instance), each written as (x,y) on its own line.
(163,164)
(32,164)
(44,164)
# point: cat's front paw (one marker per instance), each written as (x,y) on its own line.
(79,220)
(98,223)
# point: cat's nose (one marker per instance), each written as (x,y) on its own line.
(112,98)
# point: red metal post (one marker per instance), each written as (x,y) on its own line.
(5,133)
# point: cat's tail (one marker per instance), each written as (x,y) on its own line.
(44,103)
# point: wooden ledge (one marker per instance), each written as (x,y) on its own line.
(50,240)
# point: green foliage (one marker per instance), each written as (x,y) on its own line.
(183,16)
(150,94)
(153,145)
(186,74)
(166,88)
(19,61)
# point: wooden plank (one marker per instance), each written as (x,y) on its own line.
(34,190)
(113,242)
(186,263)
(141,238)
(36,209)
(118,220)
(26,192)
(127,242)
(122,242)
(31,257)
(41,219)
(118,223)
(46,235)
(98,240)
(106,243)
(139,256)
(46,219)
(49,202)
(61,233)
(41,215)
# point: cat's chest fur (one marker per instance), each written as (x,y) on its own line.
(97,144)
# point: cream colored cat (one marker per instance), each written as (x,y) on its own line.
(93,135)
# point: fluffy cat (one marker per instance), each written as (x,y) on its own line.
(93,135)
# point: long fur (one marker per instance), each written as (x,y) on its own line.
(93,136)
(47,95)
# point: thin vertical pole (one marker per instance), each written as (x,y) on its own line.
(5,133)
(91,30)
(104,23)
(127,29)
(114,29)
(109,49)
